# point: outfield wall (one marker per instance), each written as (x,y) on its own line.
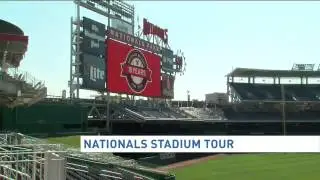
(55,118)
(44,119)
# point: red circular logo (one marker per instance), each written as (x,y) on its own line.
(135,70)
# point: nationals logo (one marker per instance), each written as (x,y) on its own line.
(136,71)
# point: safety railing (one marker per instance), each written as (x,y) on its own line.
(18,74)
(29,158)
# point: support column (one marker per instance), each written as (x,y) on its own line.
(307,80)
(54,167)
(283,109)
(75,56)
(108,113)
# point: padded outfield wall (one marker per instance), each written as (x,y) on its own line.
(44,119)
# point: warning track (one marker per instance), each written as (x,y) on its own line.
(189,162)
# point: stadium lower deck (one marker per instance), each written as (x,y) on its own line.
(60,117)
(151,119)
(238,119)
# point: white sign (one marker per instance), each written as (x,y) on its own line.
(200,144)
(96,74)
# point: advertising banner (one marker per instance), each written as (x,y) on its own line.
(167,84)
(167,60)
(178,63)
(132,71)
(122,26)
(93,37)
(149,28)
(130,39)
(93,70)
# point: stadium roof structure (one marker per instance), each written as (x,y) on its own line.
(247,72)
(9,28)
(13,43)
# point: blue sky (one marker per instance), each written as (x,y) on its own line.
(215,37)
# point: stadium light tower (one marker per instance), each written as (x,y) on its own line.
(283,109)
(117,12)
(188,98)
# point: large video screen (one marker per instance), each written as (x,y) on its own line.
(132,71)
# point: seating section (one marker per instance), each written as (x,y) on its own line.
(147,112)
(307,115)
(18,150)
(293,92)
(31,90)
(204,113)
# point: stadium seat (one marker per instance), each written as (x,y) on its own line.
(293,92)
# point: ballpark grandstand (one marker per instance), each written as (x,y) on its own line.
(257,101)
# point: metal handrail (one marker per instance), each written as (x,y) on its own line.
(25,76)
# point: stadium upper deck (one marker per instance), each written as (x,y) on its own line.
(16,87)
(274,85)
(13,44)
(248,72)
(274,94)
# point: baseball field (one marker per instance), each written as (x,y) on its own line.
(239,167)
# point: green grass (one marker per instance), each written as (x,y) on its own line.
(255,167)
(70,141)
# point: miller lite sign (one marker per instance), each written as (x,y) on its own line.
(151,29)
(93,72)
(96,74)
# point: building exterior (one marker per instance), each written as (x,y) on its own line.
(217,98)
